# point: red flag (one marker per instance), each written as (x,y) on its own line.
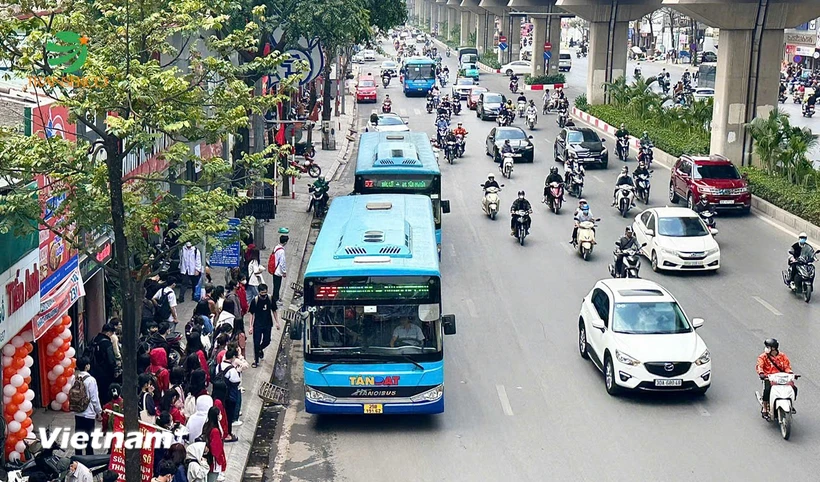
(280,136)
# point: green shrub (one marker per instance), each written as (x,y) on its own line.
(667,136)
(798,200)
(490,60)
(581,102)
(545,79)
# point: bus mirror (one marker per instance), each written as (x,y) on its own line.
(296,329)
(445,206)
(449,322)
(429,313)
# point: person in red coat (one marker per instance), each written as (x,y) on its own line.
(212,434)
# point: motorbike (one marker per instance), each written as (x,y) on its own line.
(622,148)
(585,241)
(442,79)
(514,86)
(520,222)
(645,154)
(429,105)
(385,80)
(556,198)
(507,165)
(577,54)
(522,108)
(562,118)
(576,182)
(642,187)
(503,119)
(387,107)
(804,280)
(457,107)
(808,110)
(309,166)
(318,201)
(448,52)
(532,119)
(781,401)
(490,202)
(631,264)
(782,97)
(441,133)
(708,216)
(450,151)
(624,199)
(797,97)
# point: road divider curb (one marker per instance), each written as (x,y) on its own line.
(487,68)
(543,86)
(761,207)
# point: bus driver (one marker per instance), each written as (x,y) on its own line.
(407,334)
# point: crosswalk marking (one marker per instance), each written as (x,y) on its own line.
(417,111)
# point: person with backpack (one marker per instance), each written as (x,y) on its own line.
(233,380)
(159,369)
(166,302)
(205,309)
(114,405)
(219,393)
(195,464)
(255,271)
(103,361)
(147,408)
(84,401)
(277,266)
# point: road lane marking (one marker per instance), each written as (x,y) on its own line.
(597,178)
(505,402)
(702,410)
(471,308)
(417,111)
(453,253)
(767,306)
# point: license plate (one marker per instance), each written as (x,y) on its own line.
(375,408)
(727,201)
(668,383)
(692,263)
(516,155)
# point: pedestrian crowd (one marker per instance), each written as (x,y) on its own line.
(190,376)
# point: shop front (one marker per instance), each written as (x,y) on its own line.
(801,48)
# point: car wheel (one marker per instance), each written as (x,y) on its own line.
(582,340)
(612,387)
(654,261)
(555,153)
(690,201)
(673,196)
(509,72)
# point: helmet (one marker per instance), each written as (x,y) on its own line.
(645,134)
(622,125)
(582,201)
(506,141)
(490,176)
(553,169)
(520,193)
(585,208)
(803,235)
(459,124)
(771,343)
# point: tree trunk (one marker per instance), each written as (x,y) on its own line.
(129,291)
(651,35)
(326,105)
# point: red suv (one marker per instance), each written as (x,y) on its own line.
(714,177)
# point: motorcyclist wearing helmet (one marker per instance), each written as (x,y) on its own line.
(551,178)
(623,179)
(801,246)
(320,186)
(626,242)
(520,204)
(582,215)
(645,140)
(641,170)
(521,98)
(490,182)
(374,119)
(505,149)
(441,126)
(581,203)
(771,361)
(531,109)
(460,130)
(622,131)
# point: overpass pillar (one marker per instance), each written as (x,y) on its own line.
(467,26)
(483,31)
(514,38)
(600,51)
(504,27)
(433,16)
(732,87)
(545,29)
(453,20)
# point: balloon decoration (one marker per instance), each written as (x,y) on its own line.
(59,363)
(17,396)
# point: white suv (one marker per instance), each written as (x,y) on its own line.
(637,334)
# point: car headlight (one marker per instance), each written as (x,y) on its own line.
(669,251)
(742,190)
(316,396)
(712,251)
(626,359)
(528,147)
(704,358)
(707,190)
(431,395)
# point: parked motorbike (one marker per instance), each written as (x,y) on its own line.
(532,119)
(804,281)
(622,148)
(576,182)
(556,198)
(585,241)
(642,187)
(491,201)
(520,222)
(631,264)
(450,151)
(625,198)
(507,165)
(781,401)
(387,107)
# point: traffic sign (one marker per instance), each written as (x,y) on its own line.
(547,46)
(547,55)
(502,46)
(502,39)
(797,59)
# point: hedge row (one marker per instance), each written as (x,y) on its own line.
(798,200)
(665,135)
(490,60)
(545,79)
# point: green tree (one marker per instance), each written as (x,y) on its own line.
(386,14)
(768,135)
(163,75)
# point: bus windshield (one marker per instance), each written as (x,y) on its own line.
(420,72)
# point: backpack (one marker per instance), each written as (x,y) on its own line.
(160,380)
(78,398)
(233,388)
(272,259)
(163,311)
(148,311)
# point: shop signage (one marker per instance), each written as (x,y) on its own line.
(804,51)
(59,299)
(227,255)
(104,249)
(20,296)
(802,38)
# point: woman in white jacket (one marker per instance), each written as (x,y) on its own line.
(197,420)
(255,271)
(195,460)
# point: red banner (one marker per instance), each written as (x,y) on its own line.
(117,461)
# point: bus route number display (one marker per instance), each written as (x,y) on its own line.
(405,184)
(371,291)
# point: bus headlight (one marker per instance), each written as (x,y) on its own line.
(431,395)
(316,396)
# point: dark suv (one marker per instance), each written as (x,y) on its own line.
(714,177)
(584,142)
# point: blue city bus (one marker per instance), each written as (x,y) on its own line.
(418,75)
(373,330)
(400,163)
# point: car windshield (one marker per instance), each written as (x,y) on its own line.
(492,99)
(464,82)
(477,91)
(469,67)
(582,136)
(367,83)
(511,134)
(682,227)
(565,57)
(389,65)
(390,121)
(716,171)
(656,318)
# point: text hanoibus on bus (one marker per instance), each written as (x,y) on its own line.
(373,329)
(400,163)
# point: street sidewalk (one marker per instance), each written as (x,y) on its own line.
(290,213)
